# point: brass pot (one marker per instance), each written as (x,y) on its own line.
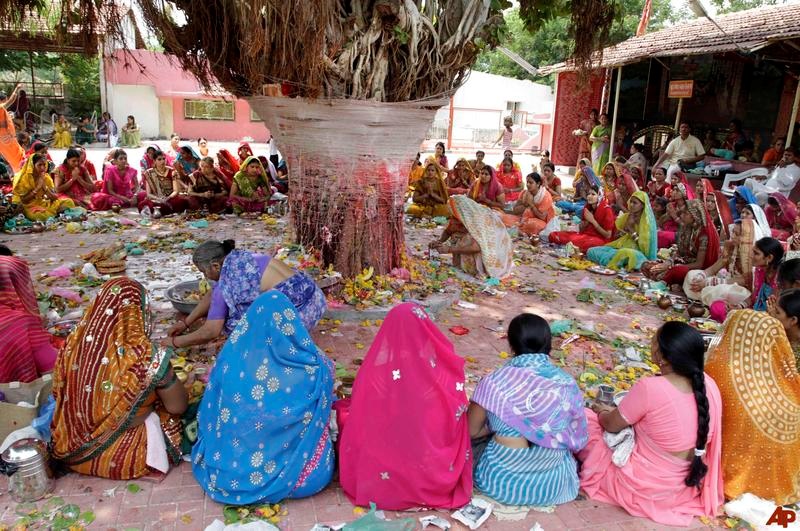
(664,302)
(696,310)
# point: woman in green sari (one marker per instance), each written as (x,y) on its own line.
(251,190)
(637,239)
(601,144)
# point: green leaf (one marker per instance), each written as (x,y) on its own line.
(87,517)
(231,514)
(133,488)
(52,503)
(401,35)
(27,509)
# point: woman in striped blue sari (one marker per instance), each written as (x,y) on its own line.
(535,412)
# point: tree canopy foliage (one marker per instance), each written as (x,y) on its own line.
(731,6)
(552,43)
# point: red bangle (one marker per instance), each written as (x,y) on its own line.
(173,342)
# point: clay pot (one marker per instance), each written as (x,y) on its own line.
(696,310)
(37,227)
(664,302)
(116,209)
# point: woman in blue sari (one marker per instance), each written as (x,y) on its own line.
(638,241)
(186,163)
(239,277)
(742,196)
(585,179)
(262,432)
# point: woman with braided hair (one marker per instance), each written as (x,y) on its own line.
(673,472)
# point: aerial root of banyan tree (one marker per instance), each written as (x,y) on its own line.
(348,173)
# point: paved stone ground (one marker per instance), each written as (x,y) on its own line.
(179,503)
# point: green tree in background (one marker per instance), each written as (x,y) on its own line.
(81,76)
(19,63)
(551,44)
(731,6)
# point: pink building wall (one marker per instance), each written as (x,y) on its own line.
(170,81)
(219,129)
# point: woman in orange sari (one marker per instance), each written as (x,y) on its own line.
(9,147)
(460,178)
(755,369)
(535,205)
(118,402)
(511,179)
(430,193)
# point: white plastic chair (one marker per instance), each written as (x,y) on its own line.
(736,177)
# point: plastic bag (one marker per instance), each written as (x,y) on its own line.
(372,521)
(560,327)
(42,423)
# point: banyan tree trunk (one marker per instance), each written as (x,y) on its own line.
(348,172)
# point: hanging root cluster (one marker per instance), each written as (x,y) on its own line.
(380,50)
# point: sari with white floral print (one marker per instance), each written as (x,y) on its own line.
(262,433)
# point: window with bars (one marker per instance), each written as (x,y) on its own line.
(209,110)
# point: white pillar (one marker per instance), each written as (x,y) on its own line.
(614,119)
(793,118)
(678,115)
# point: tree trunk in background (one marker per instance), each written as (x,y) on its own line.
(348,173)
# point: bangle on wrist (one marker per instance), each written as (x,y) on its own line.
(173,342)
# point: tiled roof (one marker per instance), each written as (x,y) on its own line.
(749,30)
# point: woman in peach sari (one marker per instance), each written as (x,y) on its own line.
(535,205)
(755,368)
(673,472)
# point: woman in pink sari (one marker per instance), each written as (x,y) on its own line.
(674,471)
(25,349)
(121,187)
(781,215)
(406,441)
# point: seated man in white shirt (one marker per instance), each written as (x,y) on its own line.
(783,179)
(682,153)
(786,173)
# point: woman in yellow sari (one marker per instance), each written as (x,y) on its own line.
(430,194)
(34,190)
(754,367)
(62,137)
(118,402)
(638,238)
